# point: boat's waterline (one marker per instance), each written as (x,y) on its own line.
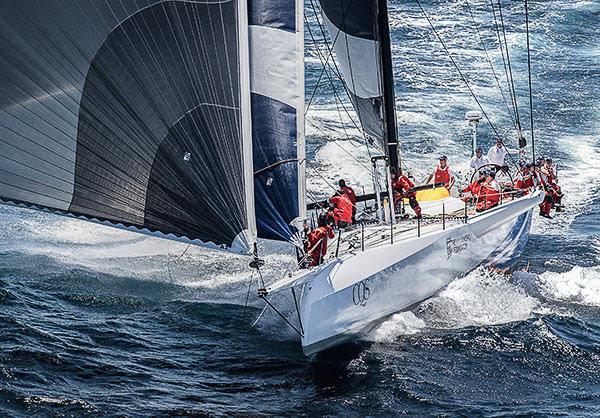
(341,301)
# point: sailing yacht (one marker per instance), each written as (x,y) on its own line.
(185,120)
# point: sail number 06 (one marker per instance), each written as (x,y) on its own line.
(360,293)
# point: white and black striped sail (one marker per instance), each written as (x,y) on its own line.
(276,34)
(131,113)
(354,35)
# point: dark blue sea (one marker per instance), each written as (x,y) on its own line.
(101,322)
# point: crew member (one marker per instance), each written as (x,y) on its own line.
(442,174)
(478,160)
(474,188)
(349,191)
(403,186)
(546,205)
(489,193)
(342,209)
(525,180)
(498,152)
(552,180)
(548,202)
(316,241)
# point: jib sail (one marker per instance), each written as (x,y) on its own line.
(359,35)
(135,113)
(277,84)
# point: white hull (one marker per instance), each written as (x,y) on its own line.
(349,295)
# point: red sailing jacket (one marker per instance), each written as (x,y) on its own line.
(488,197)
(342,208)
(349,191)
(525,182)
(473,188)
(317,243)
(402,184)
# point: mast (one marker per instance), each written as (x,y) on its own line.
(389,113)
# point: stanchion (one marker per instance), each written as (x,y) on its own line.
(337,249)
(362,233)
(444,216)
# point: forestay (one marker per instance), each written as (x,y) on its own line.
(353,32)
(135,113)
(277,85)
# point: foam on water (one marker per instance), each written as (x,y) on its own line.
(340,159)
(481,298)
(485,297)
(403,323)
(580,285)
(210,275)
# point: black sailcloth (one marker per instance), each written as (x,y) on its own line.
(128,112)
(353,32)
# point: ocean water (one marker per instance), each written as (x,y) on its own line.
(98,322)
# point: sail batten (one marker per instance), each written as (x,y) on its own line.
(137,115)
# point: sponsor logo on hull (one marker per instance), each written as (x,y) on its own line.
(360,293)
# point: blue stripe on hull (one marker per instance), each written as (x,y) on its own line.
(513,245)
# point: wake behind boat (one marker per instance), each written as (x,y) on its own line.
(186,120)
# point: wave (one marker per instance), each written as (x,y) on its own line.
(580,285)
(486,298)
(482,298)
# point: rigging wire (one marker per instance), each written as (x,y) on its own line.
(501,48)
(458,69)
(529,77)
(326,65)
(487,55)
(335,70)
(326,61)
(329,52)
(463,78)
(509,74)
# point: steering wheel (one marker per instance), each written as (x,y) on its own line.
(491,165)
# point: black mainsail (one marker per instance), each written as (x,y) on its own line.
(359,35)
(133,113)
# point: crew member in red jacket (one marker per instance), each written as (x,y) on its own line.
(342,209)
(489,193)
(525,181)
(349,191)
(552,180)
(442,174)
(402,185)
(474,188)
(549,198)
(316,241)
